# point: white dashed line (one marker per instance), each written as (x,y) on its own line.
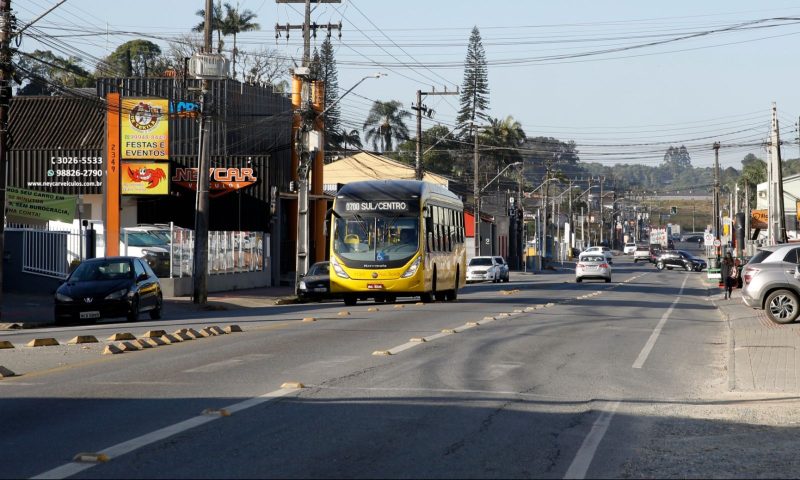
(654,336)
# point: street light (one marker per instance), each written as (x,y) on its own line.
(307,144)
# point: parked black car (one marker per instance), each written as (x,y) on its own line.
(106,288)
(670,259)
(316,284)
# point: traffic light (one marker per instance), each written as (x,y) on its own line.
(673,210)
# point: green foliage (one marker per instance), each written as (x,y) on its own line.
(217,23)
(44,73)
(475,88)
(329,76)
(439,151)
(385,124)
(503,139)
(136,58)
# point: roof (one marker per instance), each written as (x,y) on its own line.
(369,166)
(43,122)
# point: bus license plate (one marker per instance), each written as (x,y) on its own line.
(90,314)
(375,286)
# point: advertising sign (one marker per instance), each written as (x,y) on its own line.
(221,180)
(26,204)
(758,219)
(145,129)
(140,178)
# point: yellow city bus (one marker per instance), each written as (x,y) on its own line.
(395,238)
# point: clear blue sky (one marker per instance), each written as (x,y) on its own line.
(619,107)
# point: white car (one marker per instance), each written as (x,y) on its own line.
(630,247)
(605,251)
(482,269)
(593,265)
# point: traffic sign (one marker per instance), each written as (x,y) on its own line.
(717,243)
(708,239)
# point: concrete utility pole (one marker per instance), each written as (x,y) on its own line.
(200,278)
(306,142)
(476,194)
(777,218)
(6,73)
(602,181)
(420,109)
(716,209)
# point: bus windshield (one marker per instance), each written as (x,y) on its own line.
(389,240)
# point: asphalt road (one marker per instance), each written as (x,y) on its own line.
(556,380)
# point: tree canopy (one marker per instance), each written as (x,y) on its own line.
(44,73)
(135,58)
(474,97)
(385,124)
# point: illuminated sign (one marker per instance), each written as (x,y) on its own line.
(375,206)
(221,180)
(139,178)
(145,129)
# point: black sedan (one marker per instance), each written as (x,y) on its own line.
(670,259)
(109,287)
(316,284)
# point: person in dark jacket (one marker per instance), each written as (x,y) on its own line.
(729,273)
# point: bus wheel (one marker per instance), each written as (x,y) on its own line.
(350,300)
(452,295)
(391,298)
(426,297)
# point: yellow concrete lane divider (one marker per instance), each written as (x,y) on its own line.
(292,385)
(344,313)
(309,319)
(398,307)
(6,344)
(4,372)
(217,330)
(373,309)
(82,339)
(43,342)
(182,335)
(128,347)
(91,457)
(111,350)
(142,343)
(154,333)
(233,329)
(170,339)
(118,337)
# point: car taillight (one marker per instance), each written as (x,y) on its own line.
(749,273)
(603,265)
(580,265)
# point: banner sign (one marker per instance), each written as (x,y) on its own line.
(145,129)
(758,219)
(140,178)
(37,205)
(221,180)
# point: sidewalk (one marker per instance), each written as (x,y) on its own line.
(763,355)
(31,310)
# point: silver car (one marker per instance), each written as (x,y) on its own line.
(771,281)
(592,265)
(503,272)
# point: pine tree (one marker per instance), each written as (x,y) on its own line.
(475,89)
(329,76)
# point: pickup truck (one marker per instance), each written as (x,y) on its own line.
(642,253)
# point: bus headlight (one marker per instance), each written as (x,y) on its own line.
(338,268)
(412,269)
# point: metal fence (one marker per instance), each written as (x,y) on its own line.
(228,252)
(50,253)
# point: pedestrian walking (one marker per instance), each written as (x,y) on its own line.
(730,274)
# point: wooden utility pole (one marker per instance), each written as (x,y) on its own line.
(420,108)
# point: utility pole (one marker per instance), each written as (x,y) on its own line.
(6,73)
(602,225)
(476,194)
(306,142)
(200,278)
(776,213)
(716,197)
(420,109)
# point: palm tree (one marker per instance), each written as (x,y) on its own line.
(236,22)
(351,138)
(384,124)
(505,137)
(216,23)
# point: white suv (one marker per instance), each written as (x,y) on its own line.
(630,247)
(481,269)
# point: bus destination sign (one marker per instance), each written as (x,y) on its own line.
(376,206)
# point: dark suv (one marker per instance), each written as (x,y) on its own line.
(670,259)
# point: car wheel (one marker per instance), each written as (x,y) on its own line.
(133,315)
(660,265)
(578,280)
(350,300)
(688,267)
(782,306)
(608,280)
(155,314)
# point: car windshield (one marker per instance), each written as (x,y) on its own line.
(480,262)
(593,258)
(142,239)
(759,257)
(376,238)
(319,269)
(102,270)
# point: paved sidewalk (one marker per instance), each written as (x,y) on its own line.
(764,356)
(31,310)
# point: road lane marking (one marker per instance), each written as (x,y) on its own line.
(580,464)
(654,336)
(73,468)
